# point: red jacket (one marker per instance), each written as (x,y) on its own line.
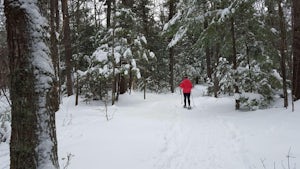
(186,85)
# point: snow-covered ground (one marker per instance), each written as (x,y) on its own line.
(157,133)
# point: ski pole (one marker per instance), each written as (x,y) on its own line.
(180,96)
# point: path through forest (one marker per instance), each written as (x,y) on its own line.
(158,133)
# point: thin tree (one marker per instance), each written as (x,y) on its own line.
(282,48)
(33,141)
(235,63)
(296,49)
(172,7)
(67,45)
(208,54)
(54,49)
(114,81)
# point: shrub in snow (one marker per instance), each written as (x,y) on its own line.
(251,101)
(257,82)
(261,81)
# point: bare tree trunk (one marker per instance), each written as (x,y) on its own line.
(283,53)
(33,141)
(114,82)
(296,49)
(172,6)
(235,64)
(67,44)
(54,52)
(208,55)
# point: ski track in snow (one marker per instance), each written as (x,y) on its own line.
(194,129)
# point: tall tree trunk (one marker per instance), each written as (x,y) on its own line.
(33,141)
(282,52)
(172,5)
(57,66)
(208,55)
(67,44)
(114,81)
(54,51)
(296,49)
(235,64)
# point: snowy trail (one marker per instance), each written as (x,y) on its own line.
(157,133)
(193,140)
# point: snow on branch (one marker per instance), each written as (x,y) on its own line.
(179,34)
(172,21)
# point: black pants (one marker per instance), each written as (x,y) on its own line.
(187,96)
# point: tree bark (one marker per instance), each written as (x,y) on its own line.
(54,51)
(33,140)
(172,7)
(67,44)
(114,81)
(235,64)
(282,49)
(296,49)
(208,55)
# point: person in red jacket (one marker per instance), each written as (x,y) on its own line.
(186,86)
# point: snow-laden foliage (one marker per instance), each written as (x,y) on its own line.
(199,36)
(222,78)
(258,84)
(122,51)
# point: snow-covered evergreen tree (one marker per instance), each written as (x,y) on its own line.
(123,50)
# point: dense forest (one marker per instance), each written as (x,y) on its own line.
(101,49)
